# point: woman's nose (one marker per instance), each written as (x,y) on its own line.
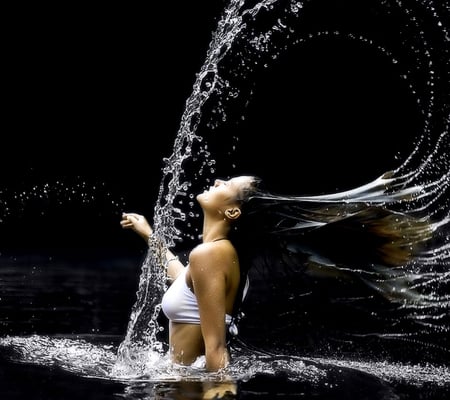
(218,182)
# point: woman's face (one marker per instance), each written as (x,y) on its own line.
(224,193)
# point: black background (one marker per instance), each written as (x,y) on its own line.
(95,94)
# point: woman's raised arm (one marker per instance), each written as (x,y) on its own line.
(141,226)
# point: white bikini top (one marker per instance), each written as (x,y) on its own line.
(179,304)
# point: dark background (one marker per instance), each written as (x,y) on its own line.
(93,97)
(92,94)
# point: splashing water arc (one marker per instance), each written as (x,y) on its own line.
(252,40)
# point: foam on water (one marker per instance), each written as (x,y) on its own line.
(91,360)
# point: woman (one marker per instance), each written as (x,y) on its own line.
(245,228)
(201,299)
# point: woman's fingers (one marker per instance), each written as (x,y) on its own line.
(129,219)
(132,215)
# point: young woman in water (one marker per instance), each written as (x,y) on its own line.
(201,298)
(244,228)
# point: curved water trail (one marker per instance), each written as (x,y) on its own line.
(249,38)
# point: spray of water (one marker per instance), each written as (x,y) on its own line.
(253,35)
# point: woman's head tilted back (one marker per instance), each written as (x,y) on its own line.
(226,197)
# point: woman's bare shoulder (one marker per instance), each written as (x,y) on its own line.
(203,250)
(211,253)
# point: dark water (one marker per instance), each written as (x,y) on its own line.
(62,324)
(315,97)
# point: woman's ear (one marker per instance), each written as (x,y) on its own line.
(233,213)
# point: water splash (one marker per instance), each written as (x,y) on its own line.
(86,358)
(252,37)
(78,356)
(47,197)
(141,345)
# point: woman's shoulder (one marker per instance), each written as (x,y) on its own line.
(214,252)
(205,249)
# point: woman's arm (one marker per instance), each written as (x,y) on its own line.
(140,225)
(207,265)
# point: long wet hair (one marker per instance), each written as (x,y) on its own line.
(357,230)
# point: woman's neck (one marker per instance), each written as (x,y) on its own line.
(213,238)
(214,232)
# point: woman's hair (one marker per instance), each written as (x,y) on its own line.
(248,191)
(353,230)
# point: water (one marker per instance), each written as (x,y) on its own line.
(94,311)
(302,335)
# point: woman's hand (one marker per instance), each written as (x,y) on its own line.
(137,223)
